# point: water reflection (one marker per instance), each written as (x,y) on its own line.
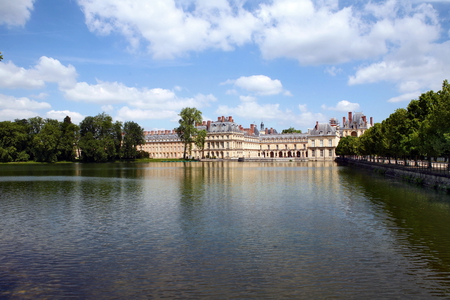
(218,230)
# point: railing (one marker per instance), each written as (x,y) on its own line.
(438,167)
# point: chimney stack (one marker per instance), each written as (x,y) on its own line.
(371,121)
(350,117)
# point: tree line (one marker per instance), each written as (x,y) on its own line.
(422,130)
(95,139)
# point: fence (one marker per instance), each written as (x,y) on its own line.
(438,167)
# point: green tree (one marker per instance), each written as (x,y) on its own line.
(1,56)
(348,145)
(187,130)
(133,137)
(372,142)
(100,138)
(200,140)
(13,141)
(69,140)
(45,143)
(291,130)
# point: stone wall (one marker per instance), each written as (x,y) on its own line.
(429,180)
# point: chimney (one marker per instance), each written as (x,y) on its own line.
(267,130)
(317,124)
(223,119)
(208,125)
(350,117)
(230,118)
(343,121)
(252,128)
(364,120)
(218,119)
(371,121)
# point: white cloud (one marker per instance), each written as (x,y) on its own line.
(403,37)
(247,98)
(40,96)
(107,93)
(12,114)
(126,114)
(258,84)
(252,110)
(59,115)
(405,97)
(19,108)
(108,108)
(10,102)
(46,70)
(333,71)
(417,60)
(343,106)
(170,29)
(15,12)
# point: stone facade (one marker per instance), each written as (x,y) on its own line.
(228,140)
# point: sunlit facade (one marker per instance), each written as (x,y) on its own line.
(228,140)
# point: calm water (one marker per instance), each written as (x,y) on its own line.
(219,231)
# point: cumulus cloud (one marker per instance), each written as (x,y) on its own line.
(126,113)
(252,110)
(107,93)
(46,70)
(15,13)
(19,108)
(11,102)
(343,106)
(402,38)
(171,28)
(405,97)
(258,84)
(247,98)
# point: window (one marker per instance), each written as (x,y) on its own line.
(313,153)
(330,153)
(321,153)
(321,143)
(313,143)
(330,143)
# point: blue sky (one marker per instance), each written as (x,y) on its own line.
(288,63)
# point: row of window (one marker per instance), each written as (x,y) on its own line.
(330,143)
(321,153)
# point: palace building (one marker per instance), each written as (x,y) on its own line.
(228,140)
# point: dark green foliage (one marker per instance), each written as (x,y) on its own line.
(423,129)
(100,138)
(133,137)
(291,130)
(189,117)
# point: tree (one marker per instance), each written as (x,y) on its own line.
(13,141)
(69,139)
(348,145)
(45,143)
(190,116)
(1,56)
(291,130)
(133,137)
(100,138)
(200,140)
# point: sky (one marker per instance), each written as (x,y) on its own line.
(287,63)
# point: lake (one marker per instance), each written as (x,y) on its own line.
(219,230)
